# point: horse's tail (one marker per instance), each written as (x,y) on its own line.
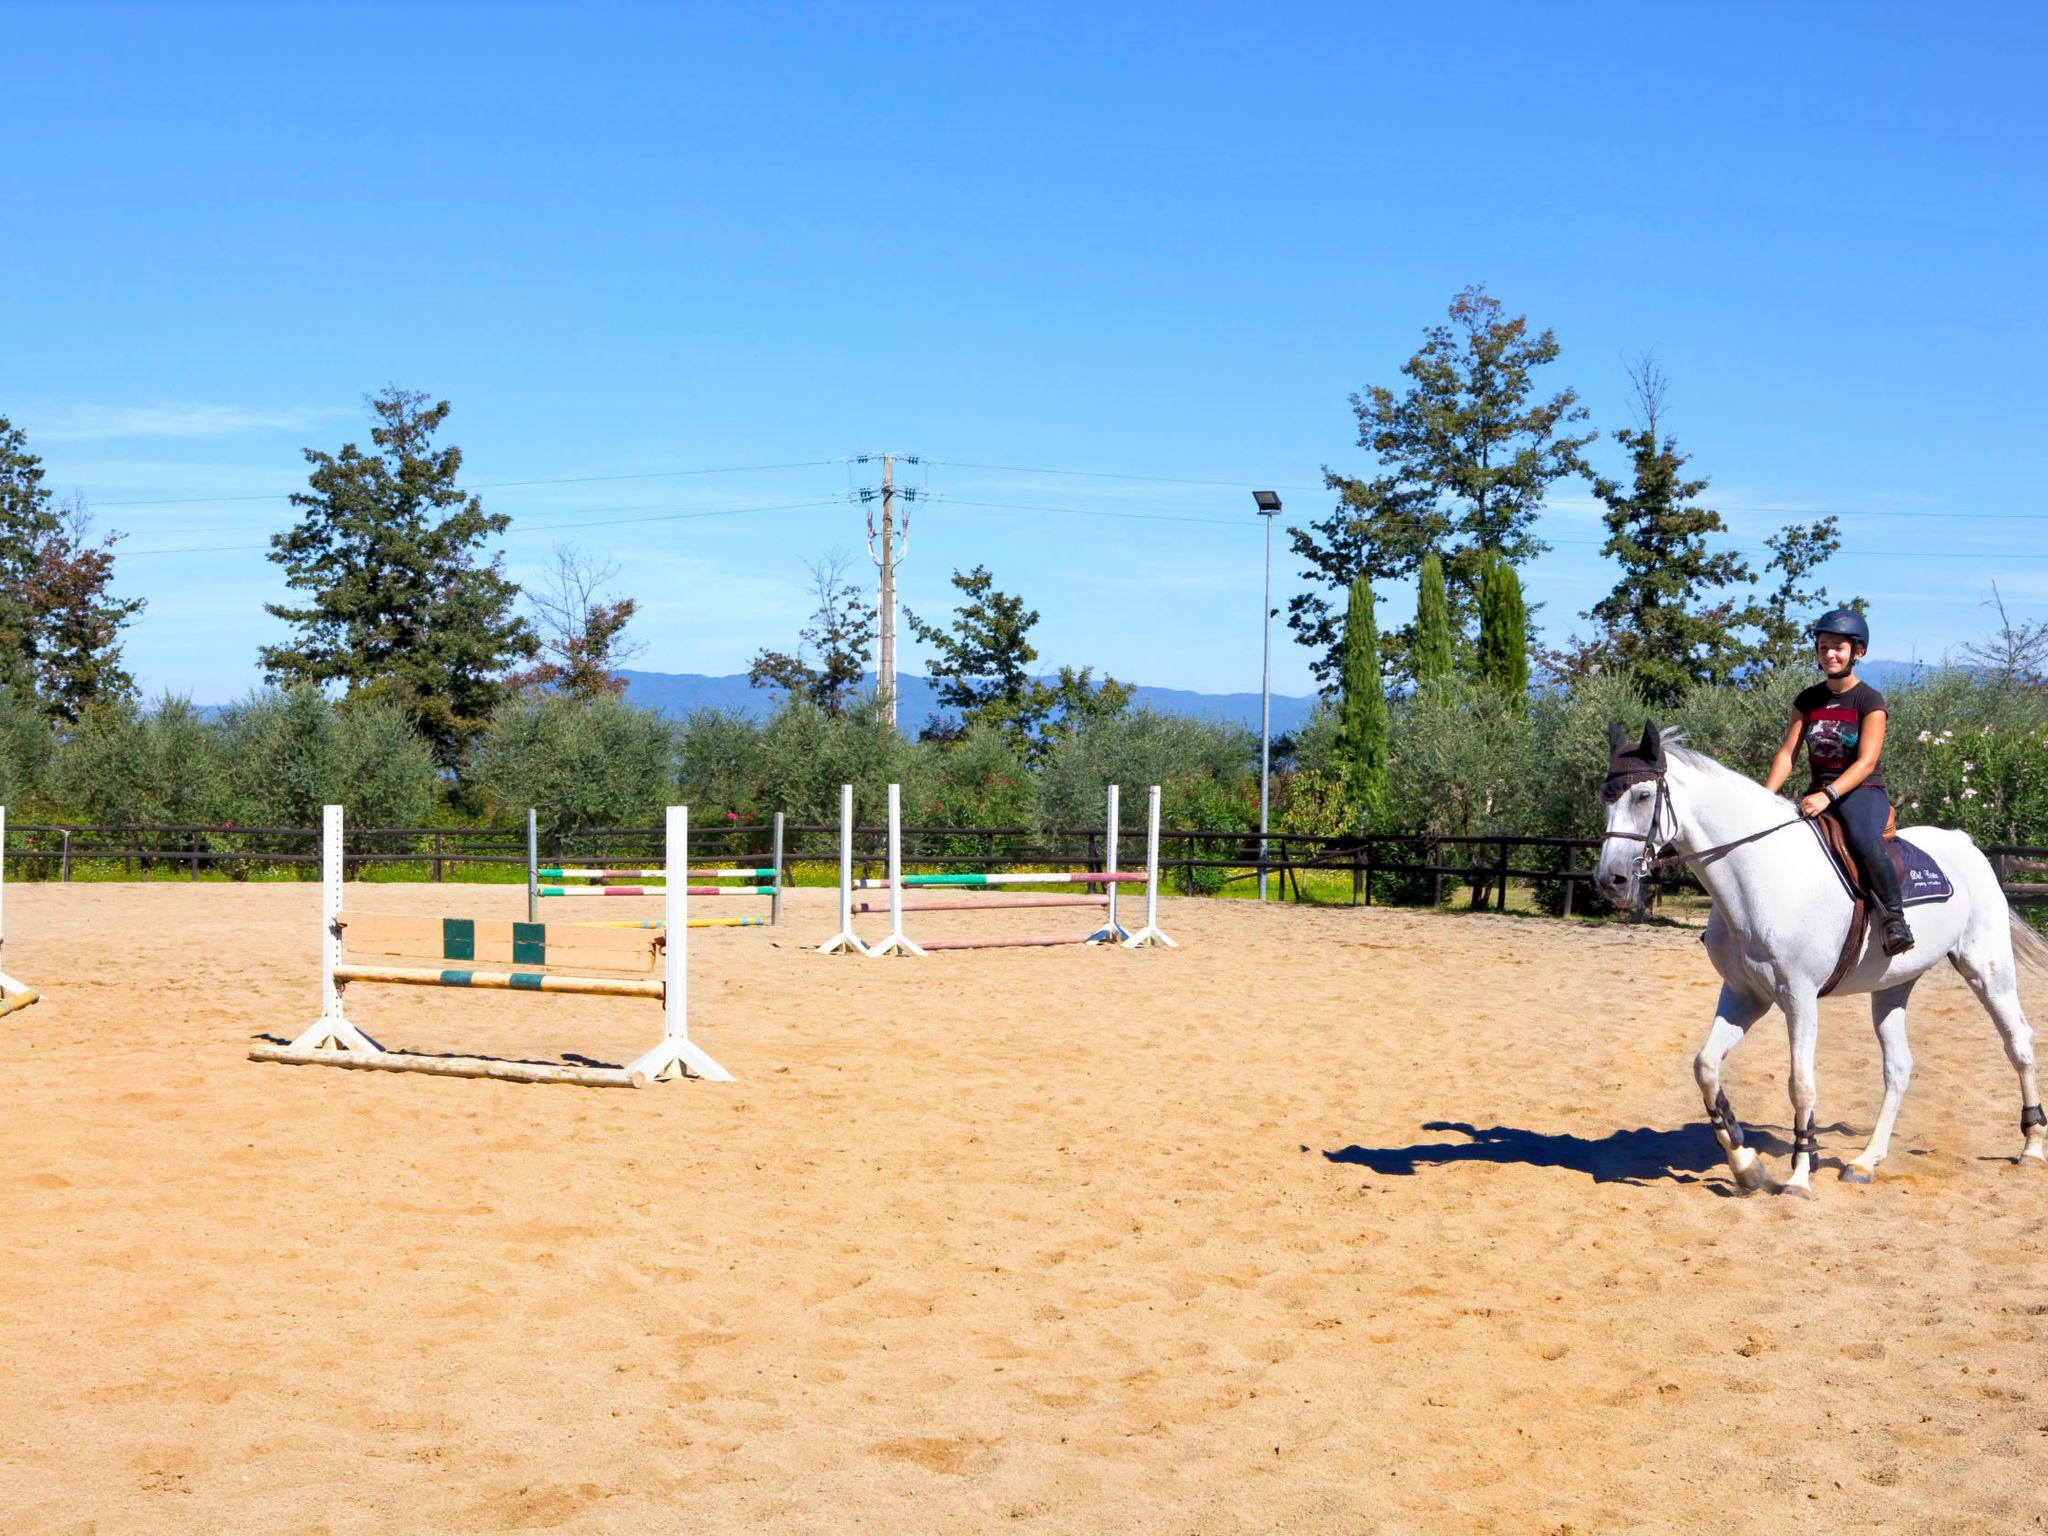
(2028,946)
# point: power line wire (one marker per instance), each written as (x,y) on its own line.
(501,485)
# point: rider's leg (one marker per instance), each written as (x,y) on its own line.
(1802,1026)
(1863,813)
(1888,1014)
(1732,1017)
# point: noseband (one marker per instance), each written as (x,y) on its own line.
(1618,784)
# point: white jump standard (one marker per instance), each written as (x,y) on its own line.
(332,1040)
(14,995)
(1110,878)
(607,879)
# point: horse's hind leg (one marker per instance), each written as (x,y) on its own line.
(1888,1016)
(1995,979)
(1732,1017)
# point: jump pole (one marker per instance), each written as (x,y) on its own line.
(845,941)
(775,899)
(897,942)
(1150,933)
(331,1040)
(14,995)
(532,865)
(1111,931)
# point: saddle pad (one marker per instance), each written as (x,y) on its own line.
(1921,880)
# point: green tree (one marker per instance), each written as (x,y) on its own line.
(399,605)
(1432,651)
(841,630)
(291,751)
(1362,714)
(1662,621)
(1503,633)
(1465,455)
(982,665)
(60,627)
(120,765)
(1797,551)
(582,637)
(578,762)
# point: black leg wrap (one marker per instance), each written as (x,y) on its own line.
(2030,1117)
(1807,1141)
(1723,1119)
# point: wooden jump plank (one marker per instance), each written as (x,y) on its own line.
(14,1002)
(502,981)
(485,941)
(451,1066)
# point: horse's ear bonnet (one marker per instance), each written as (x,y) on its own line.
(1628,765)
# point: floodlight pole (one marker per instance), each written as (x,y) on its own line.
(1269,508)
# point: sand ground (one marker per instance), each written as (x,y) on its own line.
(1330,1221)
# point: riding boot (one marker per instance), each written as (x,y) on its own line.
(1884,884)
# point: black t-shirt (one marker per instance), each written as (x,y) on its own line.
(1834,729)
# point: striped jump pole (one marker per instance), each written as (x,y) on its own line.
(532,865)
(845,941)
(14,995)
(766,880)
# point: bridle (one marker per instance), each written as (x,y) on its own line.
(1648,863)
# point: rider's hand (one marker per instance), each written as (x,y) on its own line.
(1812,805)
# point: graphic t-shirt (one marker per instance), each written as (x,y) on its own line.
(1834,729)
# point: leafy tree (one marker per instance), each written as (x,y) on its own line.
(578,762)
(1363,712)
(982,665)
(582,638)
(2017,652)
(399,605)
(121,766)
(1659,621)
(60,629)
(1465,454)
(1432,652)
(841,630)
(1503,633)
(1797,551)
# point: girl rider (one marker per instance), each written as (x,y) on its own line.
(1842,722)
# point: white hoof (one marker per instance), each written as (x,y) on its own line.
(2035,1153)
(1748,1168)
(1852,1174)
(1799,1188)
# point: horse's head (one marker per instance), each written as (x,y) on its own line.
(1639,817)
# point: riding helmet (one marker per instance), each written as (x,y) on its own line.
(1846,622)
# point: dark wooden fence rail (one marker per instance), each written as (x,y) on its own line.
(1191,859)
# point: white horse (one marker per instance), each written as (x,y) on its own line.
(1779,921)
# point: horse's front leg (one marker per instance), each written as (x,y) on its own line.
(1888,1014)
(1802,1026)
(1733,1015)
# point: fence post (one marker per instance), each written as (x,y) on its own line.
(1571,862)
(1502,904)
(64,866)
(192,848)
(437,855)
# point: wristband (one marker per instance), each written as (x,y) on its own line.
(1829,791)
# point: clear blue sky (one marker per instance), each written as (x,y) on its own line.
(1136,240)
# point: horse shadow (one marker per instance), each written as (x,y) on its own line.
(567,1058)
(1639,1155)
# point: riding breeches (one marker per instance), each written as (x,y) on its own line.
(1863,812)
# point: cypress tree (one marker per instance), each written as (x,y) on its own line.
(1503,633)
(1432,624)
(1362,709)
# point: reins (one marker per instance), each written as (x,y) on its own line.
(1648,864)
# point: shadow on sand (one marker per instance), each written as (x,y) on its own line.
(1684,1155)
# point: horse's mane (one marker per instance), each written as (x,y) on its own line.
(1723,775)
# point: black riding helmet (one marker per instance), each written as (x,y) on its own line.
(1846,622)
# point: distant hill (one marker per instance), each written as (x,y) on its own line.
(680,693)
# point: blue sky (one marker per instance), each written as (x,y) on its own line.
(1143,241)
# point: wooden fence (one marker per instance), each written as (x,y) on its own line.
(1483,865)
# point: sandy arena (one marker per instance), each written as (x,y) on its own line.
(1329,1221)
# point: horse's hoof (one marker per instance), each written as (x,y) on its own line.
(1851,1174)
(1801,1191)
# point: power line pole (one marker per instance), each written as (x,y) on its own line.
(887,546)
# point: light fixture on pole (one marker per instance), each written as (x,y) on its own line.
(1269,508)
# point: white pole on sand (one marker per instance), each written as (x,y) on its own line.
(845,941)
(1111,931)
(897,943)
(1150,933)
(677,1053)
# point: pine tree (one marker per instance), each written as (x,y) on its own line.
(399,605)
(1362,710)
(1465,454)
(1432,624)
(1503,632)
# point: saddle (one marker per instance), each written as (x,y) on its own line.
(1920,881)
